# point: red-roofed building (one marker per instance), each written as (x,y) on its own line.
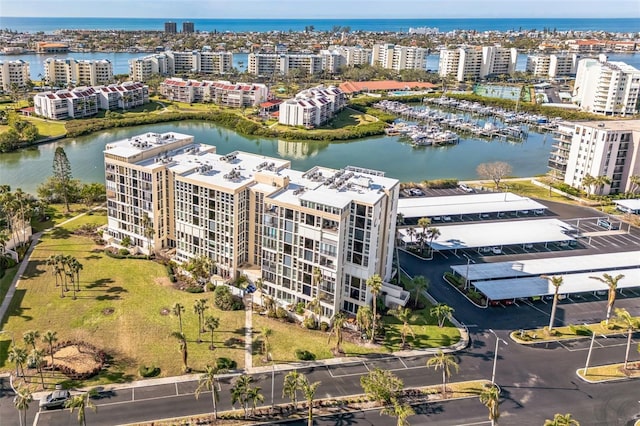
(225,93)
(351,87)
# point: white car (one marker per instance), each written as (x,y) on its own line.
(496,250)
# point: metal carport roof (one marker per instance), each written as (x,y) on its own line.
(548,266)
(453,237)
(514,288)
(452,205)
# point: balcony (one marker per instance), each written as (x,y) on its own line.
(394,295)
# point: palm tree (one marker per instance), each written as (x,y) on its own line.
(445,362)
(364,319)
(199,307)
(76,267)
(290,387)
(339,320)
(432,233)
(403,315)
(182,342)
(612,283)
(260,287)
(211,323)
(177,310)
(635,183)
(490,397)
(240,392)
(266,346)
(30,338)
(21,402)
(208,382)
(401,411)
(19,357)
(50,337)
(309,392)
(562,420)
(600,182)
(375,286)
(53,263)
(556,282)
(35,358)
(624,318)
(423,223)
(411,232)
(419,284)
(588,182)
(81,402)
(254,395)
(442,312)
(147,230)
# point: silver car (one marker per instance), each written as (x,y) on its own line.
(55,399)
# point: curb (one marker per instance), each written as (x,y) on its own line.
(617,379)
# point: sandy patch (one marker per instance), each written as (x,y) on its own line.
(81,361)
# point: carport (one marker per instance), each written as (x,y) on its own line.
(628,206)
(548,266)
(498,234)
(471,204)
(516,288)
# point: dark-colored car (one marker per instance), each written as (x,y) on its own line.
(250,288)
(55,399)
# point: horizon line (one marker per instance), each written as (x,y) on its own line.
(327,19)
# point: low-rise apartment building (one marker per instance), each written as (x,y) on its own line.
(62,72)
(75,103)
(597,148)
(225,93)
(14,73)
(307,235)
(86,101)
(312,107)
(609,88)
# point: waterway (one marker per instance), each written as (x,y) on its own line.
(27,168)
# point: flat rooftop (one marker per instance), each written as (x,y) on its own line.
(453,237)
(136,145)
(618,125)
(452,205)
(630,205)
(548,266)
(572,283)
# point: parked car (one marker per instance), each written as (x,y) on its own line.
(496,250)
(250,289)
(604,223)
(466,188)
(55,399)
(539,211)
(446,218)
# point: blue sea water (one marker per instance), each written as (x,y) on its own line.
(49,25)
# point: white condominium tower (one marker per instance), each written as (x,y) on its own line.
(399,58)
(477,62)
(61,72)
(597,148)
(609,88)
(553,65)
(13,73)
(315,234)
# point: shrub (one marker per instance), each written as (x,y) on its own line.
(123,252)
(224,300)
(210,286)
(324,326)
(300,308)
(441,183)
(172,278)
(226,364)
(194,289)
(305,355)
(282,313)
(580,330)
(150,371)
(310,323)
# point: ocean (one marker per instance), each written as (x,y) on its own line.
(49,25)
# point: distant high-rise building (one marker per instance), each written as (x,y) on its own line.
(170,27)
(188,27)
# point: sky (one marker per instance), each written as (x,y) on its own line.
(322,9)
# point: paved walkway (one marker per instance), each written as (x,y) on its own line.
(248,335)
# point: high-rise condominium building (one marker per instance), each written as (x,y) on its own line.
(170,27)
(553,65)
(609,88)
(269,64)
(61,72)
(188,27)
(13,73)
(477,62)
(399,58)
(597,148)
(315,234)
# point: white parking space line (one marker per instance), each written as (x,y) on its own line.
(405,365)
(177,392)
(366,366)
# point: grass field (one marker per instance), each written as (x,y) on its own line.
(47,128)
(426,330)
(603,373)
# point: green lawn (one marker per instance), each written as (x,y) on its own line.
(57,215)
(136,333)
(602,373)
(426,330)
(348,117)
(48,128)
(5,281)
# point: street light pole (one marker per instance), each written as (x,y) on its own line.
(466,277)
(273,379)
(495,356)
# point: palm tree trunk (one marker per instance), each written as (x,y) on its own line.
(213,398)
(310,422)
(626,355)
(553,311)
(444,382)
(373,329)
